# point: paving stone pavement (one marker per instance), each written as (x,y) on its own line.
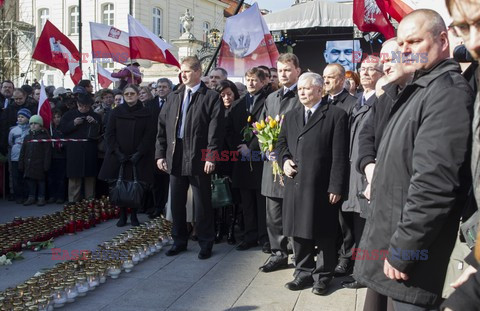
(229,280)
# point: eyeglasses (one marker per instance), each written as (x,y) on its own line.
(463,29)
(129,94)
(369,69)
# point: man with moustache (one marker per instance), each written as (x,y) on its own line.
(278,103)
(313,154)
(466,21)
(420,181)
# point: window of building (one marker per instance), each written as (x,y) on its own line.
(43,16)
(206,29)
(108,14)
(157,21)
(74,20)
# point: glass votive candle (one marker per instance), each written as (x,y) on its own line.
(128,264)
(71,290)
(114,270)
(42,304)
(92,280)
(59,297)
(135,256)
(82,286)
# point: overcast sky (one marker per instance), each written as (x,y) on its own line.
(272,5)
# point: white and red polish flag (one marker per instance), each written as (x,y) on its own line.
(109,42)
(371,16)
(56,50)
(247,43)
(399,8)
(146,45)
(44,108)
(105,77)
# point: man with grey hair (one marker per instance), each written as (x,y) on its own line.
(351,223)
(216,75)
(420,181)
(313,154)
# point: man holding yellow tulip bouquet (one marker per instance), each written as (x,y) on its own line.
(278,103)
(313,151)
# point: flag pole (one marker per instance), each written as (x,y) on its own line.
(80,33)
(220,44)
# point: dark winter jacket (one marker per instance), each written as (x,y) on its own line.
(35,157)
(419,186)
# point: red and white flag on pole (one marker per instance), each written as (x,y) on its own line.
(105,77)
(44,108)
(146,45)
(247,43)
(56,50)
(399,8)
(371,16)
(109,42)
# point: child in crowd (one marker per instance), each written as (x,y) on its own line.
(15,140)
(34,160)
(56,175)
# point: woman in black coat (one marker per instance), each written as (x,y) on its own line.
(130,136)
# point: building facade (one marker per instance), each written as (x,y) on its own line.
(162,17)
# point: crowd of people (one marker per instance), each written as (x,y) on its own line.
(379,166)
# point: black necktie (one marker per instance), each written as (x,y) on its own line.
(162,101)
(285,93)
(332,99)
(249,103)
(309,114)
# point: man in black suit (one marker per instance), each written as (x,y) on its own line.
(313,153)
(351,223)
(247,172)
(334,77)
(162,179)
(278,103)
(191,123)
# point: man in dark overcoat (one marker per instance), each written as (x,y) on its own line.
(314,155)
(278,103)
(421,177)
(191,125)
(81,123)
(247,171)
(162,179)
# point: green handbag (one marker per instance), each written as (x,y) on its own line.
(221,193)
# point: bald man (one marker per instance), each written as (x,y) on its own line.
(419,185)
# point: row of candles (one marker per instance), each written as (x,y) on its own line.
(77,217)
(64,283)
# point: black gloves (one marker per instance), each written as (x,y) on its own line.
(135,158)
(122,158)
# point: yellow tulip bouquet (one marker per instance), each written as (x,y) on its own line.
(267,132)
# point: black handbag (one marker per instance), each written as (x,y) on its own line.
(221,193)
(127,193)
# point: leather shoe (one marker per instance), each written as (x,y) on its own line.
(342,268)
(352,285)
(243,246)
(299,283)
(175,250)
(319,288)
(205,253)
(274,265)
(266,248)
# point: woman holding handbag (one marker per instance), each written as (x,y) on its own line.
(129,136)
